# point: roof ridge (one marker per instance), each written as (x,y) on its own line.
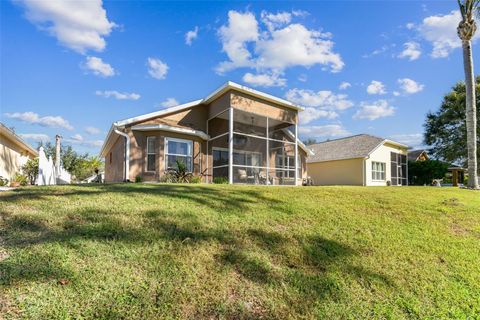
(348,137)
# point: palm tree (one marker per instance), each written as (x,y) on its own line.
(466,29)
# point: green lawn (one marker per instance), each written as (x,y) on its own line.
(143,251)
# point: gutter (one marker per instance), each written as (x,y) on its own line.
(127,152)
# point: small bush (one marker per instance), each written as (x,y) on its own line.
(220,180)
(196,179)
(3,181)
(20,178)
(138,179)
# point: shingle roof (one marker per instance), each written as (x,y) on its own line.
(414,154)
(358,146)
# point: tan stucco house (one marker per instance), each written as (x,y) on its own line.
(362,160)
(235,134)
(14,152)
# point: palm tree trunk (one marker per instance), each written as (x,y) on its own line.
(471,115)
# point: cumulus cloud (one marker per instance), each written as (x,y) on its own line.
(264,80)
(344,85)
(411,50)
(92,130)
(376,87)
(169,102)
(410,25)
(78,25)
(46,121)
(118,95)
(320,104)
(281,45)
(326,131)
(190,36)
(409,86)
(37,137)
(78,139)
(98,67)
(414,140)
(156,68)
(441,32)
(374,110)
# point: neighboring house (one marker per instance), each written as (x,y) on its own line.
(14,152)
(418,155)
(235,134)
(358,160)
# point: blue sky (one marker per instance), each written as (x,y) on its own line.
(358,67)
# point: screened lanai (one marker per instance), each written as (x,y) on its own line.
(249,148)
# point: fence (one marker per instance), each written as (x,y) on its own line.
(48,173)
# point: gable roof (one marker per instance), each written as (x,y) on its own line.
(414,154)
(4,131)
(214,95)
(358,146)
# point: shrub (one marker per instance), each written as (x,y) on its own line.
(423,172)
(30,169)
(220,180)
(138,179)
(20,179)
(196,179)
(3,181)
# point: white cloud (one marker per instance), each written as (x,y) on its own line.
(77,137)
(157,69)
(169,102)
(280,46)
(327,131)
(321,104)
(344,85)
(411,51)
(441,32)
(274,21)
(78,25)
(410,86)
(303,77)
(98,67)
(118,95)
(374,110)
(92,130)
(410,25)
(46,121)
(379,51)
(37,137)
(191,35)
(264,80)
(376,87)
(396,93)
(413,140)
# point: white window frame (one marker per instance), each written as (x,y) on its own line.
(375,171)
(147,152)
(189,149)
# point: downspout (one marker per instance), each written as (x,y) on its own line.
(127,153)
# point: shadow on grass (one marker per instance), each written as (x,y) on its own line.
(300,265)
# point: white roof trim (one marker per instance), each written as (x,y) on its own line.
(16,138)
(106,142)
(383,143)
(158,113)
(164,127)
(395,143)
(300,143)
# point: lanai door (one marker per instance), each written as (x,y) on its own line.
(398,167)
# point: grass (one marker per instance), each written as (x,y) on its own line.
(142,251)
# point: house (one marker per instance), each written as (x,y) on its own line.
(235,135)
(14,152)
(418,155)
(358,160)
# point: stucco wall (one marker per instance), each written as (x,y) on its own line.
(12,157)
(381,154)
(339,172)
(114,169)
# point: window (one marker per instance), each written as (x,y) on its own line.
(378,171)
(151,155)
(178,149)
(286,162)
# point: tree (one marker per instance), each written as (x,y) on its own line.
(423,172)
(446,131)
(466,30)
(30,168)
(310,141)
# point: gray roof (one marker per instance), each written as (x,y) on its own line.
(358,146)
(414,154)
